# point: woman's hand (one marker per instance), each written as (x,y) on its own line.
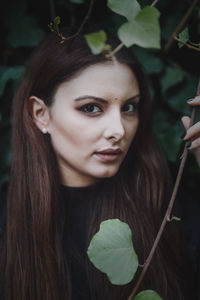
(193,132)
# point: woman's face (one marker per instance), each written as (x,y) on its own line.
(93,121)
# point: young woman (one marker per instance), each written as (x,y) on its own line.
(83,152)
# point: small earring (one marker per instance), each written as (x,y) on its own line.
(44,130)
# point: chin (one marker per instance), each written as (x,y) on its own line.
(107,173)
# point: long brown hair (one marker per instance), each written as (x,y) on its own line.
(33,265)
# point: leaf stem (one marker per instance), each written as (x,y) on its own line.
(180,26)
(113,52)
(169,209)
(186,44)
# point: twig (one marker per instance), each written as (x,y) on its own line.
(113,52)
(180,26)
(169,209)
(83,23)
(186,44)
(54,27)
(154,2)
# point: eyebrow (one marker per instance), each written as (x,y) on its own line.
(102,100)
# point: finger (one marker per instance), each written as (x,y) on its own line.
(186,122)
(193,131)
(195,144)
(194,101)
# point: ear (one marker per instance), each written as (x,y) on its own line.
(40,112)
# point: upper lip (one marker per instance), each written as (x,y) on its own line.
(110,151)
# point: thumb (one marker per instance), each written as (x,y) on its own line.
(186,122)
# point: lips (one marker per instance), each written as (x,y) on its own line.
(108,155)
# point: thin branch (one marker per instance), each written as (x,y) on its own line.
(83,23)
(154,2)
(186,44)
(169,209)
(180,26)
(113,52)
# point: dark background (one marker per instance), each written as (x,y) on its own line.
(173,73)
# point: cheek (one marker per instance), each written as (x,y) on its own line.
(131,131)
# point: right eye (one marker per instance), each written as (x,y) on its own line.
(90,108)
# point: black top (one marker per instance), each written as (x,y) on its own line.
(77,210)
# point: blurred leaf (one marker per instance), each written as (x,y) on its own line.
(147,295)
(183,36)
(150,62)
(178,100)
(13,73)
(25,33)
(126,8)
(111,251)
(171,137)
(96,41)
(143,31)
(172,77)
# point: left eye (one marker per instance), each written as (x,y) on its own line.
(90,108)
(129,107)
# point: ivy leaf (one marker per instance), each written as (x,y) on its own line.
(143,31)
(111,251)
(172,77)
(13,73)
(147,295)
(96,41)
(183,36)
(126,8)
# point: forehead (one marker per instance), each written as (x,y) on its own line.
(109,79)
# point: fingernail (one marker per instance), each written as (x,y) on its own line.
(188,144)
(190,100)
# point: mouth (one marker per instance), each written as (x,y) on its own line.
(108,155)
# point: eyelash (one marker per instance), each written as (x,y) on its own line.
(85,107)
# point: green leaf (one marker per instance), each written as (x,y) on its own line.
(111,251)
(96,41)
(172,77)
(150,62)
(174,218)
(13,73)
(143,31)
(56,20)
(126,8)
(147,295)
(25,33)
(170,136)
(183,36)
(77,1)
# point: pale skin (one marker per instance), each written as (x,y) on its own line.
(94,111)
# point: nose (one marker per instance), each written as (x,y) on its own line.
(114,129)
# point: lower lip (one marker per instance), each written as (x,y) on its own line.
(107,157)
